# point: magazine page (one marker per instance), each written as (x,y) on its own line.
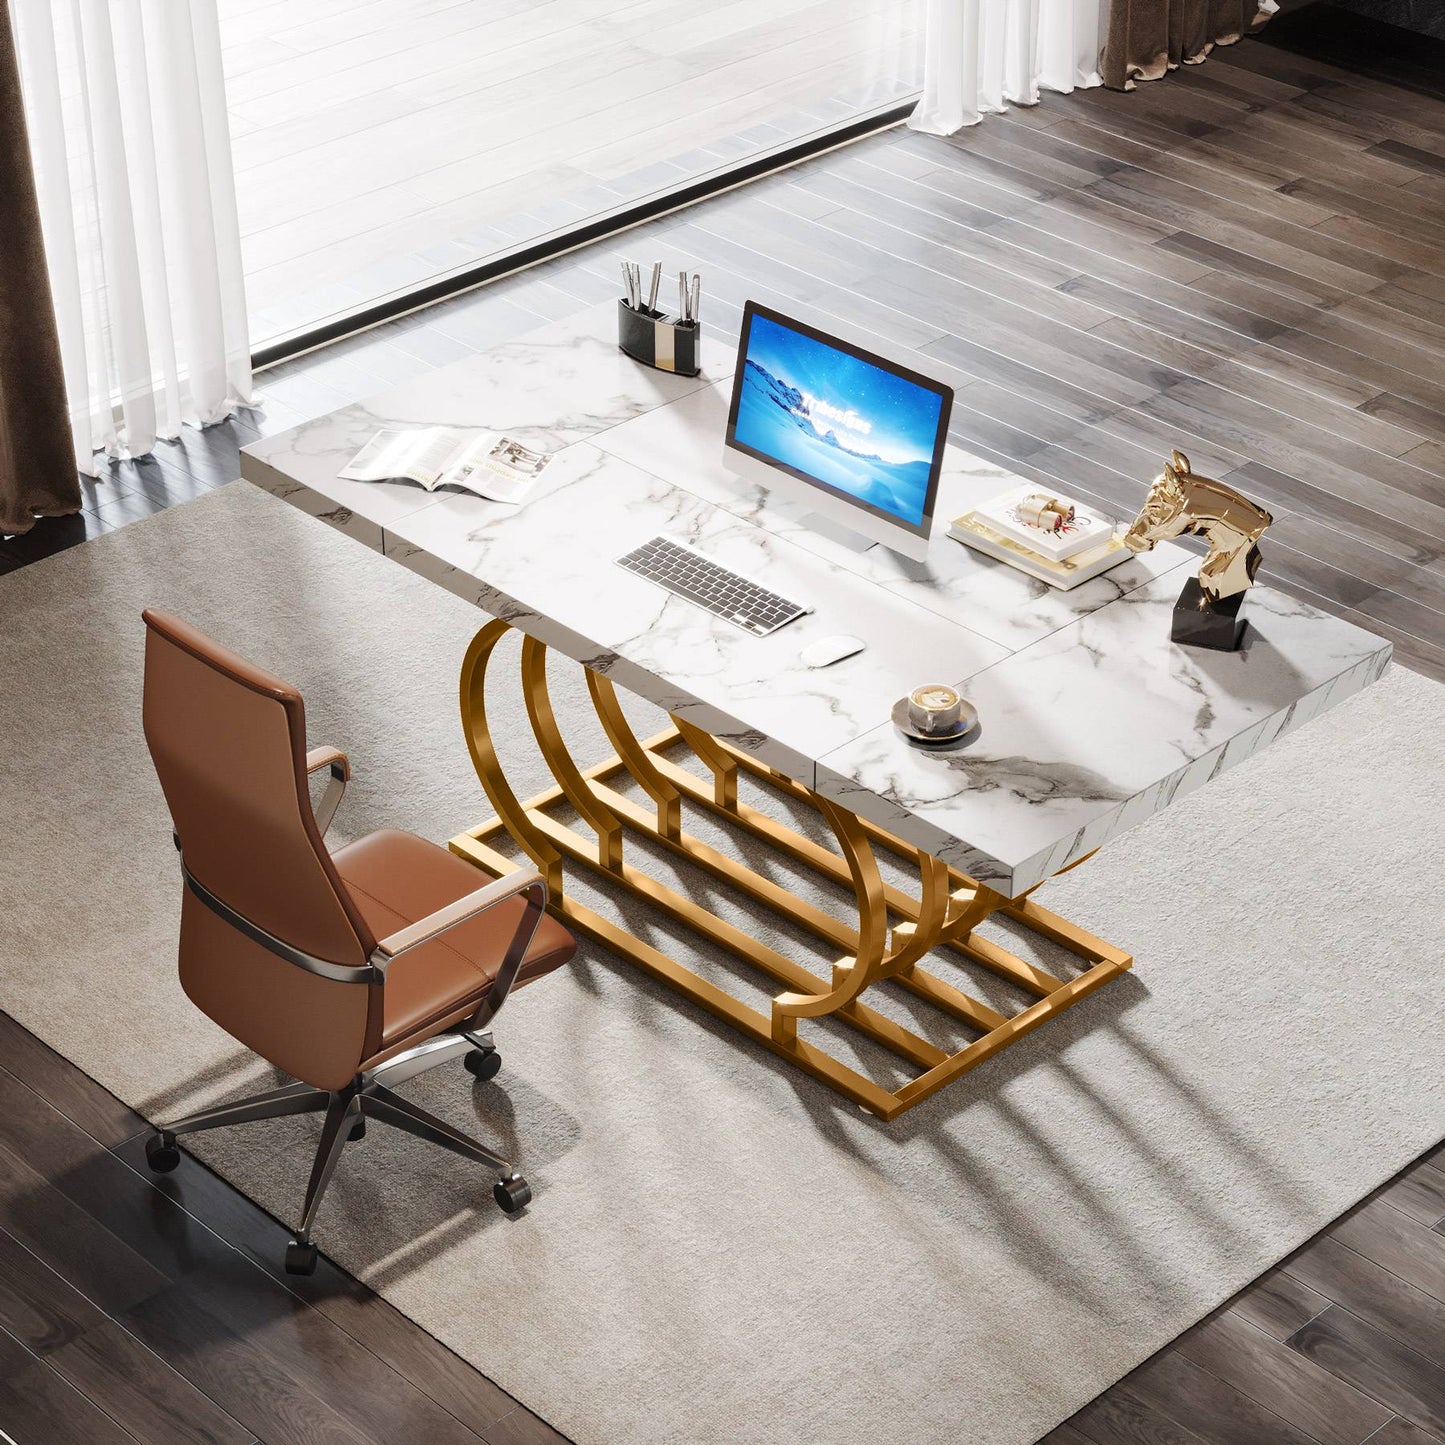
(484,462)
(422,455)
(496,467)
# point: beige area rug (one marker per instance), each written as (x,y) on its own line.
(721,1250)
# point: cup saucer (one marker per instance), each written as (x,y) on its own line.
(968,720)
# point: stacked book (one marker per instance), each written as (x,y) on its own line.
(1049,536)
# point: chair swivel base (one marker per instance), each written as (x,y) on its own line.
(347,1110)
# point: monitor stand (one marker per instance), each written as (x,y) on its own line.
(836,532)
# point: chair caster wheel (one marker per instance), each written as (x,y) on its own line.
(358,1131)
(161,1153)
(512,1195)
(483,1063)
(300,1258)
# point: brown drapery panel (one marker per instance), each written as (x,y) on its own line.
(1148,37)
(37,457)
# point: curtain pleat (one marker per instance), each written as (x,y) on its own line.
(981,56)
(1148,38)
(37,463)
(132,154)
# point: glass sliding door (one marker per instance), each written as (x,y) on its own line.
(385,145)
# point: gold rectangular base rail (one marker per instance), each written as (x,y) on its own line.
(945,915)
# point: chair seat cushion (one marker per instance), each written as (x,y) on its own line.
(396,879)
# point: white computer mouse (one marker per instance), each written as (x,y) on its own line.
(828,650)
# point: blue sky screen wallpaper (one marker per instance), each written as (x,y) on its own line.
(846,423)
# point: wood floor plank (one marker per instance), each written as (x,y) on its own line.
(1284,148)
(1401,1432)
(143,1394)
(1278,1304)
(781,281)
(1283,1380)
(1396,409)
(522,1427)
(1226,176)
(1373,1293)
(923,217)
(1398,306)
(1426,162)
(1377,1364)
(1410,139)
(1276,380)
(1212,1408)
(1310,251)
(256,1389)
(1257,277)
(1398,1243)
(253,1385)
(1361,516)
(1377,610)
(931,215)
(1122,1416)
(37,1405)
(85,1347)
(1421,579)
(1108,236)
(1065,1434)
(1251,86)
(1356,90)
(1413,216)
(261,1331)
(60,1083)
(1418,1192)
(70,1241)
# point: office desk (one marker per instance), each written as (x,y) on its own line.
(1091,720)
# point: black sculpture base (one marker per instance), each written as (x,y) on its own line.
(1198,622)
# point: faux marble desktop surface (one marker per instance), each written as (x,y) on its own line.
(1091,720)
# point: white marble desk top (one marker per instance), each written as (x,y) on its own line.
(1091,720)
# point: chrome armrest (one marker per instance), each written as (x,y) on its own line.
(340,766)
(529,884)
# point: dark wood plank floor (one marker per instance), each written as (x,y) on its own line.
(141,1307)
(1246,261)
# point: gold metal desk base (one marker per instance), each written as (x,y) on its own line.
(946,913)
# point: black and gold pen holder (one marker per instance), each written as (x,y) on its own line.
(656,339)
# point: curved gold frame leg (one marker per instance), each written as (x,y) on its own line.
(637,759)
(575,788)
(513,813)
(851,975)
(946,912)
(918,937)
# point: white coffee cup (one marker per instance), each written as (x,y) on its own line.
(935,708)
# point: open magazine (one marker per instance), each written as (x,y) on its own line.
(484,462)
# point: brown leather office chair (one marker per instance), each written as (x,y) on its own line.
(350,971)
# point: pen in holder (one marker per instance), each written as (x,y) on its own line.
(670,343)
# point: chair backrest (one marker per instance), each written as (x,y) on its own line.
(229,744)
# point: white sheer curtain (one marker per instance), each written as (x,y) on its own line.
(127,113)
(982,55)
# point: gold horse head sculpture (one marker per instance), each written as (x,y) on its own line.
(1179,502)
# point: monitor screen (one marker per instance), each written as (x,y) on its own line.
(829,413)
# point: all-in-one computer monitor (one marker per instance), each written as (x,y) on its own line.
(855,436)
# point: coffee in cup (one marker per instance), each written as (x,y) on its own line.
(935,708)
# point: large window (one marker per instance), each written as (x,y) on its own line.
(380,146)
